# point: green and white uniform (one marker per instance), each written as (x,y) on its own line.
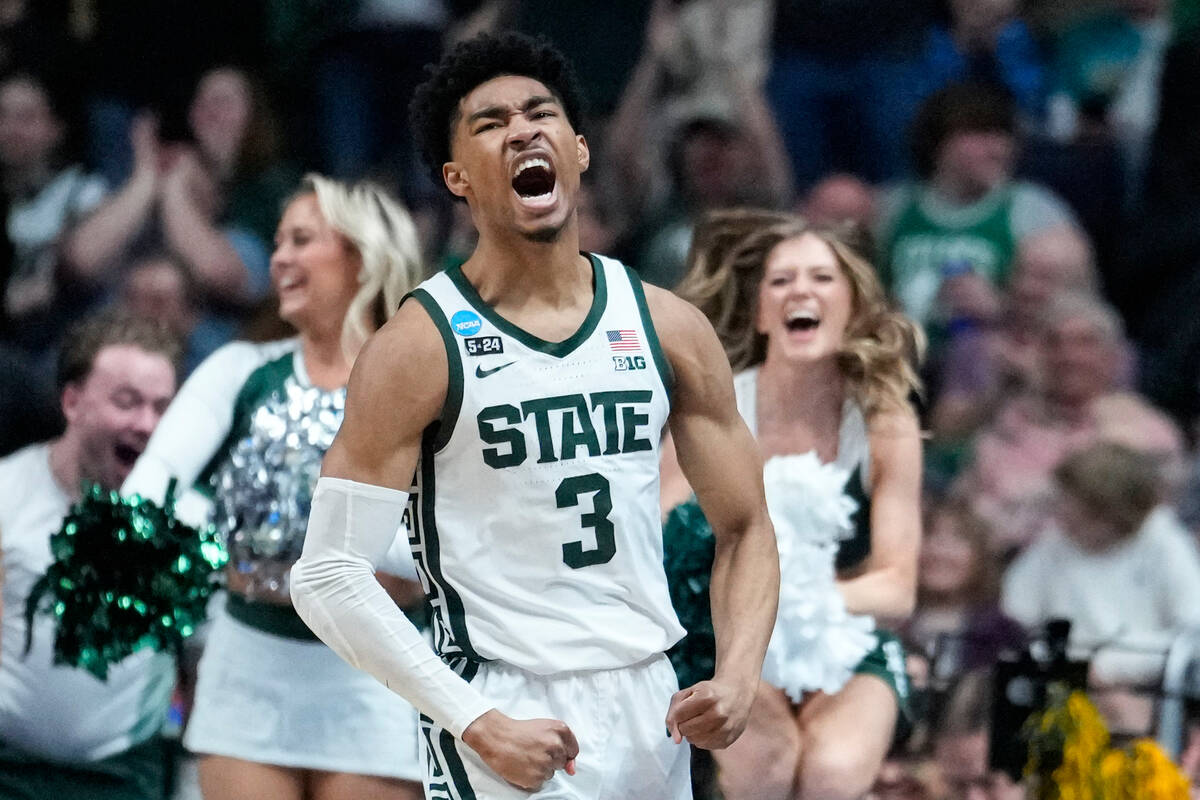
(535,528)
(850,471)
(267,690)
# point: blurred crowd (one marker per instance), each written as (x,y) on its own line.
(1029,175)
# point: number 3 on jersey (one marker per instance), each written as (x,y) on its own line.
(566,496)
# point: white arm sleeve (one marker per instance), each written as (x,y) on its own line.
(350,530)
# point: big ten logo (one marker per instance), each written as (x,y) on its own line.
(627,363)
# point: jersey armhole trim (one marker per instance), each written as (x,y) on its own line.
(454,383)
(665,373)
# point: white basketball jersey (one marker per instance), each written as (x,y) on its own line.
(534,516)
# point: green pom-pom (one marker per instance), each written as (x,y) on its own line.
(126,575)
(688,551)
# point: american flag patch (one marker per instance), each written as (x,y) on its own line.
(623,340)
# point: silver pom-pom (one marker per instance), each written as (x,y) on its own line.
(263,491)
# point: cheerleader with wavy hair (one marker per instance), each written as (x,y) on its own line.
(824,377)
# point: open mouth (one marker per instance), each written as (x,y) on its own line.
(289,283)
(534,179)
(802,321)
(127,455)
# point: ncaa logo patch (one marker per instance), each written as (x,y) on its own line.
(466,323)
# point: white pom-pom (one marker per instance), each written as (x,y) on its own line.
(816,644)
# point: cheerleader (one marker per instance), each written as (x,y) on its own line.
(276,713)
(823,380)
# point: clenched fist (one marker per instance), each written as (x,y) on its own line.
(711,714)
(525,752)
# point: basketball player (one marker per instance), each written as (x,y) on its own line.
(528,391)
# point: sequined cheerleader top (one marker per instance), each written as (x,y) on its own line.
(264,475)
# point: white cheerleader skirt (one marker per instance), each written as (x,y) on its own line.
(294,703)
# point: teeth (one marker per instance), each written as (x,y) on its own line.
(533,162)
(802,313)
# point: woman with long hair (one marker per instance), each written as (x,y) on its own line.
(277,714)
(823,376)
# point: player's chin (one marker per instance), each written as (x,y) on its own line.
(544,233)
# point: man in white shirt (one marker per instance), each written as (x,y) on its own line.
(63,732)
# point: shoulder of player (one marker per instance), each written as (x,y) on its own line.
(682,329)
(703,381)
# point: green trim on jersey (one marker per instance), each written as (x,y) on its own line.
(454,386)
(444,759)
(440,589)
(258,387)
(660,358)
(556,349)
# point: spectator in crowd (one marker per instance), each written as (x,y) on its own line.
(839,199)
(1106,73)
(1078,402)
(206,203)
(985,366)
(145,55)
(160,287)
(63,732)
(720,148)
(1118,564)
(236,138)
(948,240)
(846,78)
(957,623)
(47,199)
(986,42)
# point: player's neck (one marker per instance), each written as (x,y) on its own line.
(509,268)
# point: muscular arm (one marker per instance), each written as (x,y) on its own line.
(886,585)
(720,459)
(333,585)
(355,515)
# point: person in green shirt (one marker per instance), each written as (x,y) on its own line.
(948,239)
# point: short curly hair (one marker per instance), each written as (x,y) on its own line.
(113,327)
(433,111)
(958,108)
